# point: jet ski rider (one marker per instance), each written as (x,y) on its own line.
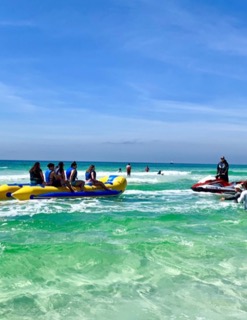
(222,169)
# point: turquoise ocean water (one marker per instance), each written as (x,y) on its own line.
(159,251)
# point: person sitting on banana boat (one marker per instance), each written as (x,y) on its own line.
(52,178)
(36,175)
(71,175)
(90,176)
(59,170)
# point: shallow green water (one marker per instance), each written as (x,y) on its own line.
(159,251)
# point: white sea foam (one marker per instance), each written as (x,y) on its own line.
(232,221)
(157,192)
(187,243)
(12,178)
(136,177)
(14,208)
(163,173)
(2,248)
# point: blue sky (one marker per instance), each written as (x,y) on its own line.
(123,80)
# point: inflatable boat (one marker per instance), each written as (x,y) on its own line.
(115,184)
(6,190)
(213,185)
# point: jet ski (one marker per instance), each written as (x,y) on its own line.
(215,185)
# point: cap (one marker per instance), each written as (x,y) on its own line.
(50,165)
(73,164)
(239,186)
(223,158)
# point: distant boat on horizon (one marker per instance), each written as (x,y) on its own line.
(171,162)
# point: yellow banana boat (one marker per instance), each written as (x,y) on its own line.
(115,184)
(6,190)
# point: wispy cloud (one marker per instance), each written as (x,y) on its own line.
(17,23)
(11,101)
(202,38)
(224,109)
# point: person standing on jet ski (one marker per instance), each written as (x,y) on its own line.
(222,169)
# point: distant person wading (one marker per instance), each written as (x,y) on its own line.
(128,169)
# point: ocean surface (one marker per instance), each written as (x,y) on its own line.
(159,251)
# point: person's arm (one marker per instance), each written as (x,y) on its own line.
(51,177)
(234,197)
(218,169)
(92,174)
(42,177)
(63,176)
(72,173)
(241,198)
(226,168)
(54,176)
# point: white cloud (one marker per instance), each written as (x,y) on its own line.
(13,102)
(17,23)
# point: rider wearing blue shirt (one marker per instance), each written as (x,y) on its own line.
(71,175)
(51,177)
(90,176)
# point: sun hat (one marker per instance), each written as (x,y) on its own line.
(239,186)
